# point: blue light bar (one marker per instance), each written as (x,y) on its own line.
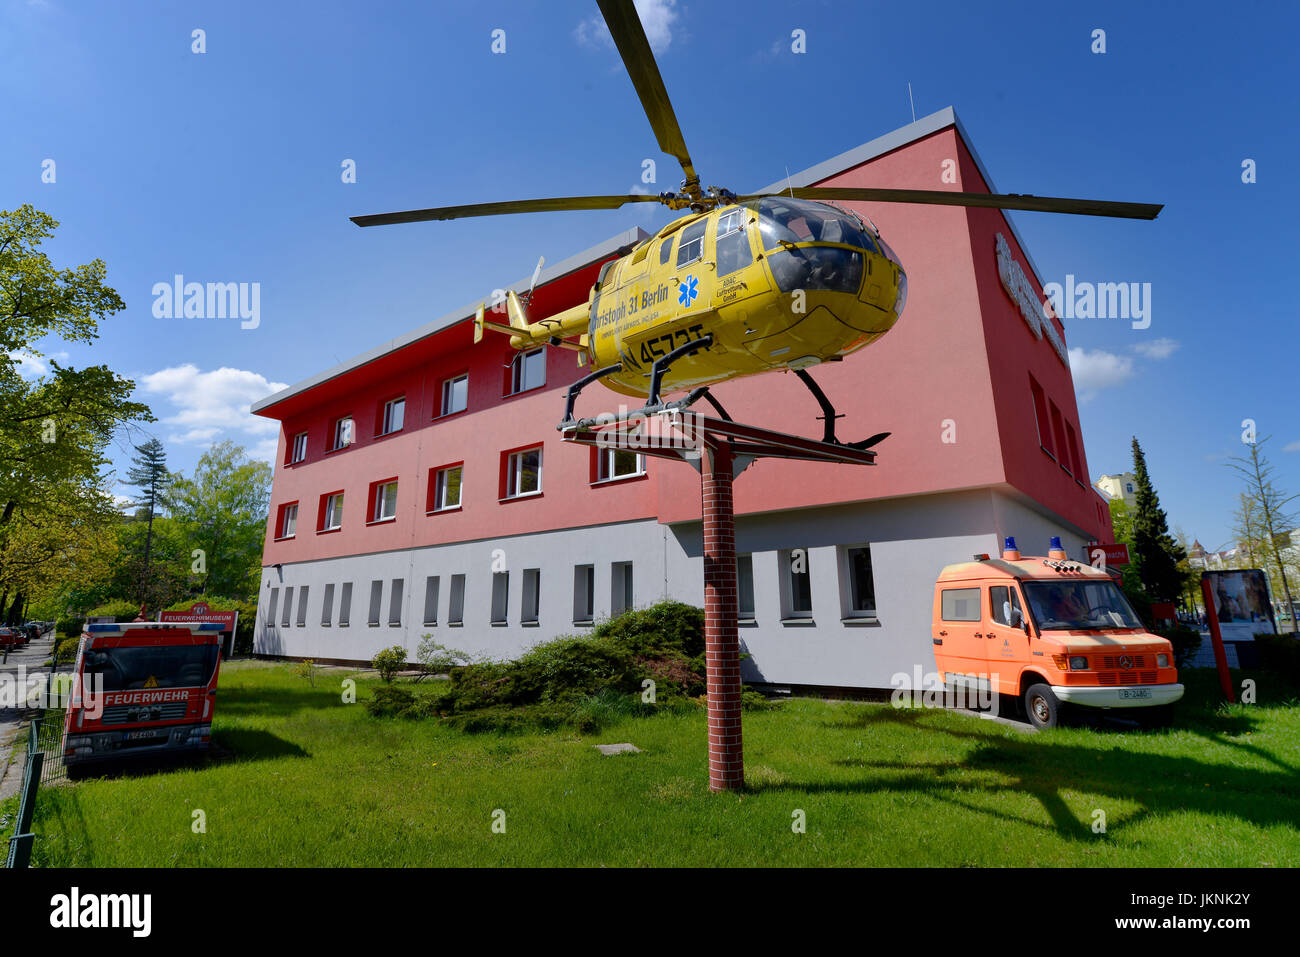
(211,626)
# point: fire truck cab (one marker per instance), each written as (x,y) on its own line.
(142,688)
(1051,633)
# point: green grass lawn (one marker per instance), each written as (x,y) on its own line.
(310,781)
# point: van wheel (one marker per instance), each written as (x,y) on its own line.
(1042,707)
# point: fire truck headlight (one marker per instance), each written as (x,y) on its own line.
(1079,663)
(1162,661)
(79,742)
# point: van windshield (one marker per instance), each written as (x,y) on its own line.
(153,666)
(1079,605)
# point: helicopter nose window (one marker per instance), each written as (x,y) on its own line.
(785,220)
(732,244)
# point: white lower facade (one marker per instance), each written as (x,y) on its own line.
(841,595)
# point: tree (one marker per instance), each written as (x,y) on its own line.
(1268,503)
(55,427)
(149,474)
(1155,553)
(221,514)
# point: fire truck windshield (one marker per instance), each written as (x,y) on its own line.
(152,666)
(1079,605)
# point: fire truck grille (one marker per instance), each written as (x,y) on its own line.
(1112,678)
(1111,662)
(130,713)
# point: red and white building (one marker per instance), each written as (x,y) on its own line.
(422,486)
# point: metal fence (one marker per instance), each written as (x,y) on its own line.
(44,766)
(46,736)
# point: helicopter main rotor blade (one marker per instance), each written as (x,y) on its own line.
(551,204)
(1039,204)
(630,39)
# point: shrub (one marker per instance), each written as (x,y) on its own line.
(751,700)
(436,659)
(389,701)
(70,627)
(389,662)
(1280,653)
(306,669)
(118,610)
(1186,642)
(66,650)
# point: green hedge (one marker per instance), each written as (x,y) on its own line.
(1280,653)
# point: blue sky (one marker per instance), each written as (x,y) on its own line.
(225,167)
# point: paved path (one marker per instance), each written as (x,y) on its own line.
(32,659)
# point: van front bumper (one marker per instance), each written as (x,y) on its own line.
(1094,697)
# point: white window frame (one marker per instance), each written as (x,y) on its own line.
(850,606)
(519,368)
(394,409)
(377,507)
(440,503)
(449,391)
(333,512)
(605,459)
(531,606)
(788,589)
(289,521)
(515,472)
(298,450)
(584,594)
(344,428)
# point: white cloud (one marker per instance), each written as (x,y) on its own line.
(1095,370)
(213,405)
(1157,348)
(33,366)
(1291,447)
(657,16)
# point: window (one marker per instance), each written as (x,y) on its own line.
(1072,444)
(299,448)
(270,606)
(524,473)
(959,604)
(862,586)
(376,601)
(289,520)
(385,501)
(618,463)
(455,394)
(528,370)
(327,605)
(331,512)
(1040,417)
(620,594)
(1128,487)
(342,433)
(691,248)
(345,604)
(796,584)
(1004,606)
(745,587)
(500,597)
(1058,432)
(732,243)
(431,600)
(395,602)
(456,605)
(532,595)
(288,607)
(444,489)
(302,606)
(665,251)
(394,414)
(584,593)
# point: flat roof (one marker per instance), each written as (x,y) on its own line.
(549,274)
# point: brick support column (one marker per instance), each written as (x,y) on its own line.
(721,636)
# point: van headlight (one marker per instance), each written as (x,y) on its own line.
(1078,663)
(1162,661)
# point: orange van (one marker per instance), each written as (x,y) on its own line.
(1051,633)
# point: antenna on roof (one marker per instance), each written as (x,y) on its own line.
(912,101)
(528,296)
(789,185)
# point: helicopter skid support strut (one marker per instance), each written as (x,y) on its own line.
(721,449)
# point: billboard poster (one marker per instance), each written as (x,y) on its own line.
(1241,603)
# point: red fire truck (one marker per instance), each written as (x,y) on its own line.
(142,688)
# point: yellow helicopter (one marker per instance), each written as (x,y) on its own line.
(741,284)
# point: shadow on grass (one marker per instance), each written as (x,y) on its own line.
(1043,768)
(272,702)
(228,745)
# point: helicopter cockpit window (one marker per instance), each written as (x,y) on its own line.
(732,243)
(782,219)
(665,251)
(691,247)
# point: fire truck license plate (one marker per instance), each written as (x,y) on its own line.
(144,735)
(1135,692)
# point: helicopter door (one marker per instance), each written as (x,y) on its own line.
(733,252)
(695,275)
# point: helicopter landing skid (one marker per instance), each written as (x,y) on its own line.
(654,403)
(829,415)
